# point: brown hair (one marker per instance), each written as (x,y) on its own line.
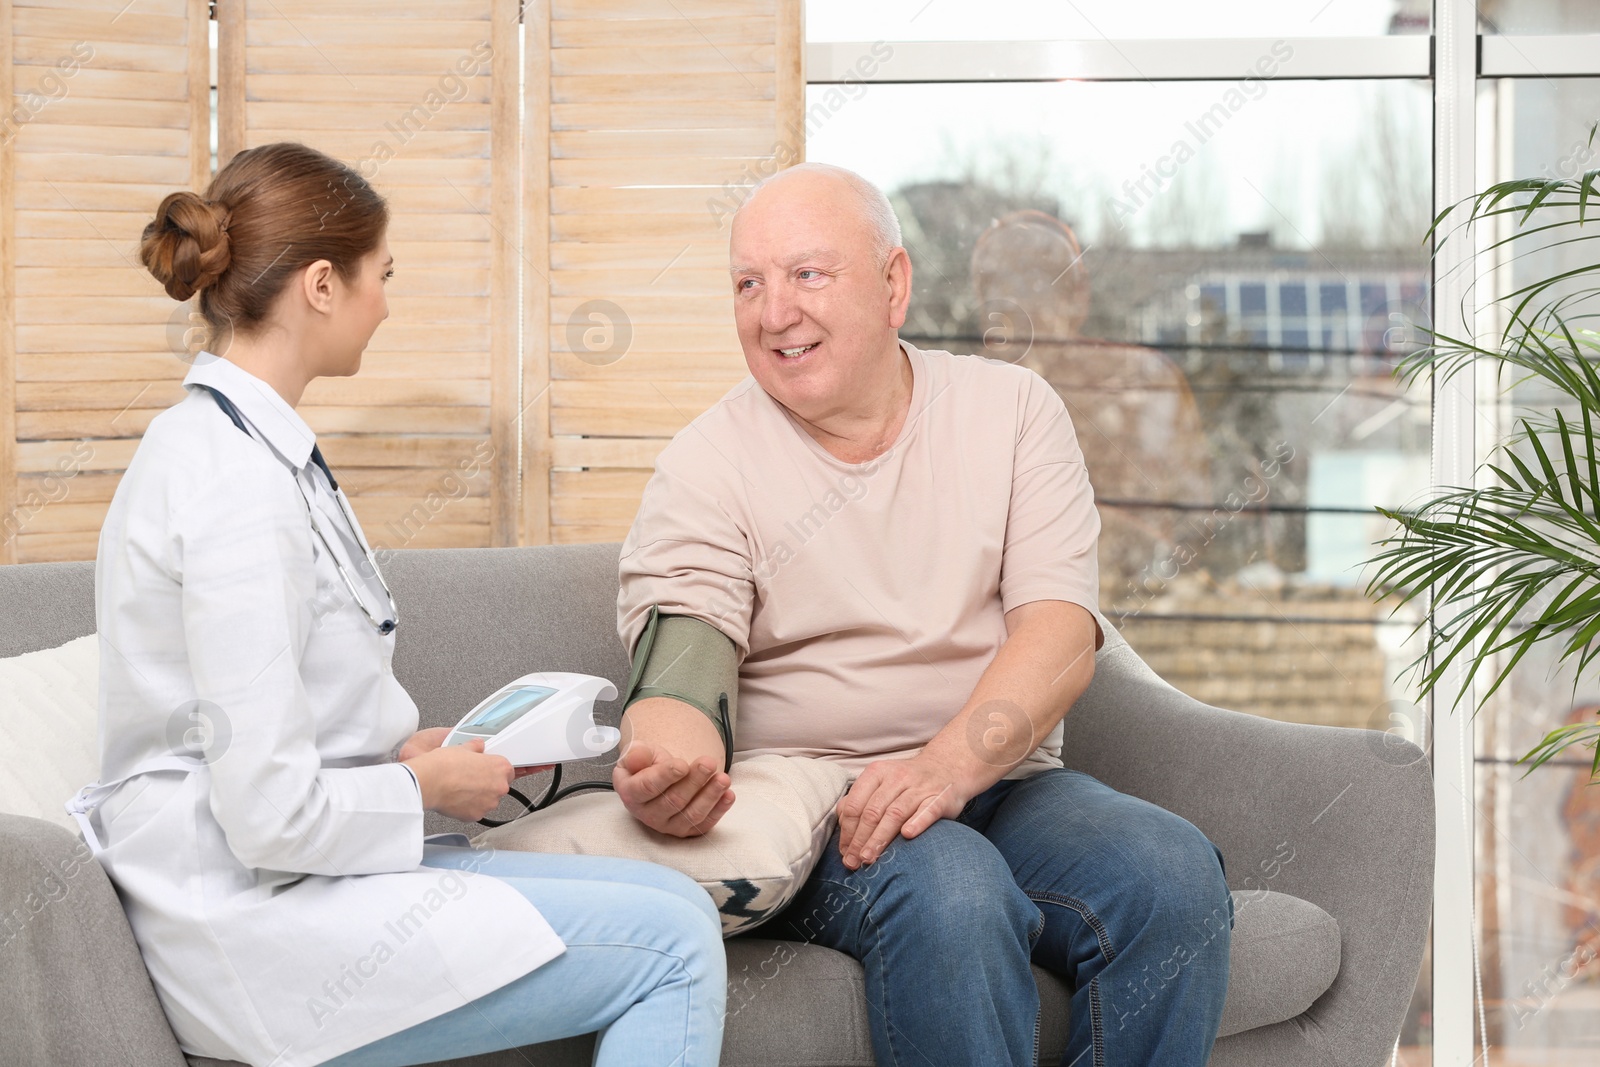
(271,211)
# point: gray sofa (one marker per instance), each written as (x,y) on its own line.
(1327,835)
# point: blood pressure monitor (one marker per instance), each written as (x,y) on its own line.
(541,718)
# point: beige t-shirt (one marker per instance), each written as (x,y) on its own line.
(866,599)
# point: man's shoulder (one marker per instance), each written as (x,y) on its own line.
(721,431)
(978,381)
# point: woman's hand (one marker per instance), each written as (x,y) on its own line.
(461,781)
(428,740)
(423,741)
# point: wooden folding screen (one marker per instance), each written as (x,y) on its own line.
(420,97)
(476,419)
(650,119)
(109,111)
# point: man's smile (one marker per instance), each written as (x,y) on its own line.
(796,353)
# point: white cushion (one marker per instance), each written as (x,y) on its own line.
(752,862)
(49,717)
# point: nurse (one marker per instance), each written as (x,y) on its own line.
(264,780)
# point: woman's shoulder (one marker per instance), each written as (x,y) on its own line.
(193,476)
(193,447)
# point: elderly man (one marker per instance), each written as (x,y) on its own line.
(895,551)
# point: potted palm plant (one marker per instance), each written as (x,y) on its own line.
(1516,561)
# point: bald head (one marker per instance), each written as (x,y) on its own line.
(820,287)
(824,184)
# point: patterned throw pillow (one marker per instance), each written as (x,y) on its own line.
(752,862)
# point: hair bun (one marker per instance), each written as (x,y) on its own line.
(186,246)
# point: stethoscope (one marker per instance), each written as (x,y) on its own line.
(383,626)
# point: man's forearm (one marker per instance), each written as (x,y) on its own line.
(673,725)
(1045,664)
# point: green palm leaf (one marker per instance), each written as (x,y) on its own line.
(1517,563)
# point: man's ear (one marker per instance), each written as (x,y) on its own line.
(897,272)
(317,284)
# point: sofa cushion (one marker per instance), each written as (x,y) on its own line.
(49,714)
(1284,955)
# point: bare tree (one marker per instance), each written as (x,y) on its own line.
(1372,194)
(1191,212)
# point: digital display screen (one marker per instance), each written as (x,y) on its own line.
(505,711)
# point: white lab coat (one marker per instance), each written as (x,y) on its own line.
(276,891)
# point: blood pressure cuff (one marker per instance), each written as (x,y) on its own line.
(681,657)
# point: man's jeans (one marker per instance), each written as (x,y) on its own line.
(1123,899)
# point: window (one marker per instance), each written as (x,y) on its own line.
(1538,852)
(1160,275)
(941,20)
(1210,265)
(1538,16)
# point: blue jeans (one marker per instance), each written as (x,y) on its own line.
(1123,899)
(644,966)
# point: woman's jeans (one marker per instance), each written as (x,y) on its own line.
(644,966)
(1123,899)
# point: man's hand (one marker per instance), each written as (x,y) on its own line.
(668,794)
(897,796)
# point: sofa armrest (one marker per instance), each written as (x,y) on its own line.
(73,987)
(1340,817)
